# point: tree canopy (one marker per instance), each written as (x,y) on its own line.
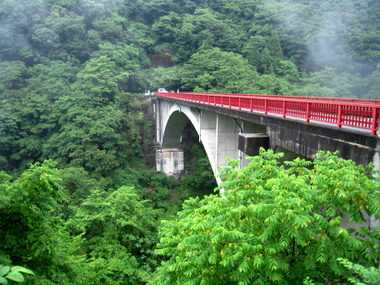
(274,223)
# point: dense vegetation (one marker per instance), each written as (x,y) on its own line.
(275,224)
(79,203)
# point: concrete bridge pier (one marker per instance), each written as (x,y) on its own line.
(226,140)
(170,161)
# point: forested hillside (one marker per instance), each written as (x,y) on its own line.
(68,67)
(79,203)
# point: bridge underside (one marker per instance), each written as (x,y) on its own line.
(219,129)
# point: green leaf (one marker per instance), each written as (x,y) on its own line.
(22,269)
(3,280)
(4,270)
(15,276)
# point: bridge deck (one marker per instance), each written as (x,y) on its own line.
(354,113)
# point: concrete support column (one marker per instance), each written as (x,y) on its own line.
(208,135)
(158,115)
(376,157)
(227,140)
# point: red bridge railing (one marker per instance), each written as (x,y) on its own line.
(355,113)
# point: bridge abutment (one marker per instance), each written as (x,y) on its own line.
(170,161)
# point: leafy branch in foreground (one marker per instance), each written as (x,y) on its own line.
(14,273)
(369,275)
(277,224)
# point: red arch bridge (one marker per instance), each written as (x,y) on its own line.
(228,124)
(354,113)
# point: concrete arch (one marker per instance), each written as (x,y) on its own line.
(217,133)
(174,124)
(177,118)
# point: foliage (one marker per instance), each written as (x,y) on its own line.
(161,76)
(91,139)
(369,275)
(108,235)
(361,274)
(329,83)
(215,70)
(273,224)
(32,228)
(199,180)
(14,273)
(118,232)
(204,26)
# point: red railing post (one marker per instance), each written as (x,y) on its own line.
(375,120)
(251,105)
(307,112)
(339,124)
(284,109)
(239,103)
(229,102)
(265,106)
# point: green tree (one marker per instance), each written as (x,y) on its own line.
(274,224)
(12,76)
(62,35)
(374,84)
(17,19)
(119,235)
(94,130)
(9,134)
(363,34)
(33,232)
(92,139)
(100,78)
(288,70)
(214,70)
(204,26)
(162,77)
(333,84)
(370,275)
(28,105)
(167,28)
(270,84)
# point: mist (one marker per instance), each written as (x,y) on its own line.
(331,34)
(323,28)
